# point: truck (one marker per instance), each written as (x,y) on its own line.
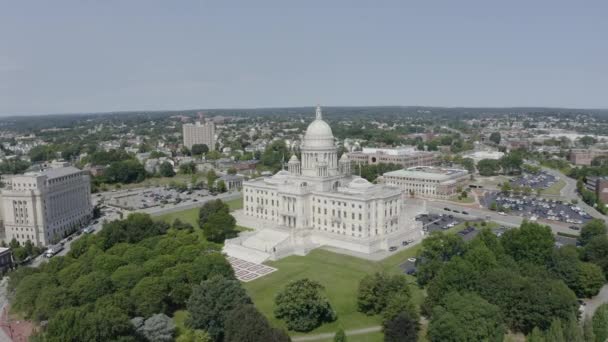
(52,250)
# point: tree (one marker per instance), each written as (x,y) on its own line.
(157,328)
(246,324)
(535,336)
(402,328)
(340,336)
(232,171)
(194,336)
(488,167)
(199,149)
(587,140)
(555,332)
(400,302)
(466,317)
(506,187)
(219,227)
(78,324)
(149,296)
(302,305)
(187,168)
(436,250)
(596,251)
(274,155)
(211,301)
(573,331)
(211,207)
(376,290)
(166,169)
(600,323)
(211,178)
(531,242)
(590,280)
(127,171)
(591,229)
(511,163)
(91,286)
(588,333)
(468,164)
(495,137)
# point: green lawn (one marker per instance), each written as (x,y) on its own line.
(468,199)
(554,189)
(339,274)
(191,215)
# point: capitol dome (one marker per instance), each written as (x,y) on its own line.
(318,133)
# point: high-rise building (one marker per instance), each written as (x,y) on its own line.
(195,134)
(45,206)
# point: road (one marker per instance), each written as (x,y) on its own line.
(595,302)
(331,335)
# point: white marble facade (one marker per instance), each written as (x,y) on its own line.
(320,203)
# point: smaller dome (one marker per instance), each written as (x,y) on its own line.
(293,158)
(359,183)
(344,157)
(281,174)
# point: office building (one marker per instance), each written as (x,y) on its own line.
(428,181)
(45,206)
(199,134)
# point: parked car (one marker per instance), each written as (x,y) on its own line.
(447,209)
(392,248)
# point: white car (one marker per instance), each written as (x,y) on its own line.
(502,213)
(411,259)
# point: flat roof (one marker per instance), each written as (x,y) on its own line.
(426,172)
(55,173)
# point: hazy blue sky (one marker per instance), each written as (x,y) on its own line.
(91,56)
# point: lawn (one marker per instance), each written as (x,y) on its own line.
(339,274)
(468,199)
(554,189)
(191,215)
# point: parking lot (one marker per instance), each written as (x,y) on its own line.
(154,197)
(434,222)
(536,208)
(541,180)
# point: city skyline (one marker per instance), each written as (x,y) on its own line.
(148,56)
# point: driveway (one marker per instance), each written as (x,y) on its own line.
(595,302)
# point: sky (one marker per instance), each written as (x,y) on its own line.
(118,55)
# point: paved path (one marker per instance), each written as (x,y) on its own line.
(595,302)
(331,335)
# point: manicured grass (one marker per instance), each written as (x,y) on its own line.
(468,199)
(187,216)
(339,274)
(554,189)
(191,215)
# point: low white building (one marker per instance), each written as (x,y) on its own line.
(45,206)
(428,181)
(480,155)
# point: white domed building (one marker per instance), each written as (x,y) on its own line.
(318,202)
